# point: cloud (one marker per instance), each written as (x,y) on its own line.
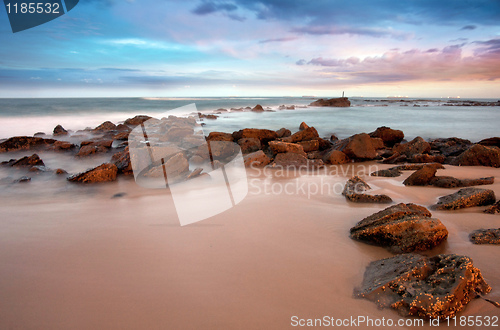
(469,27)
(209,7)
(284,39)
(365,31)
(301,62)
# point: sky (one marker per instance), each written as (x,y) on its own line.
(158,48)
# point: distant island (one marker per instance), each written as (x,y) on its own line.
(335,102)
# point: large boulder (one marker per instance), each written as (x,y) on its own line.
(416,146)
(388,135)
(450,146)
(490,142)
(307,134)
(284,147)
(335,157)
(102,173)
(335,102)
(465,197)
(421,177)
(258,108)
(106,126)
(426,287)
(59,130)
(479,155)
(402,228)
(358,146)
(249,145)
(354,192)
(137,120)
(485,236)
(256,159)
(264,135)
(25,143)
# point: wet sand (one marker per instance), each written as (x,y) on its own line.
(74,257)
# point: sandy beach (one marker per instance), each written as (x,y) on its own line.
(75,257)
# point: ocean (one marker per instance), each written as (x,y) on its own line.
(428,118)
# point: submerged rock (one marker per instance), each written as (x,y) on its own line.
(402,228)
(465,197)
(354,188)
(485,236)
(415,285)
(102,173)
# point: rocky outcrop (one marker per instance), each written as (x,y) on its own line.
(358,146)
(307,134)
(495,208)
(256,159)
(426,287)
(354,192)
(402,228)
(284,147)
(451,182)
(491,142)
(102,173)
(335,157)
(465,197)
(485,236)
(264,135)
(479,155)
(415,146)
(25,143)
(59,130)
(258,108)
(335,102)
(249,145)
(389,136)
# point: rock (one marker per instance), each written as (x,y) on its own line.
(122,161)
(402,228)
(137,120)
(207,116)
(40,169)
(335,157)
(284,147)
(60,171)
(220,136)
(426,287)
(176,134)
(63,145)
(264,135)
(122,136)
(333,138)
(290,159)
(308,146)
(258,108)
(33,160)
(388,173)
(415,146)
(425,158)
(322,144)
(479,155)
(450,146)
(335,102)
(416,167)
(395,158)
(465,197)
(106,126)
(59,130)
(257,159)
(378,143)
(389,136)
(495,208)
(123,128)
(91,149)
(354,189)
(490,142)
(95,143)
(249,145)
(451,182)
(303,126)
(421,177)
(220,150)
(485,236)
(283,132)
(196,173)
(304,135)
(176,168)
(23,179)
(358,146)
(102,173)
(25,143)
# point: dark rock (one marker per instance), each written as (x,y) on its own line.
(122,161)
(358,146)
(91,149)
(283,132)
(426,287)
(490,142)
(257,159)
(416,167)
(415,146)
(258,108)
(122,136)
(304,135)
(354,189)
(264,135)
(335,102)
(426,158)
(335,157)
(137,120)
(249,145)
(485,236)
(63,146)
(60,171)
(106,126)
(323,144)
(389,136)
(450,146)
(333,138)
(25,143)
(102,173)
(451,182)
(388,173)
(207,116)
(290,159)
(479,155)
(465,197)
(220,136)
(59,130)
(40,169)
(284,147)
(303,126)
(395,158)
(402,228)
(495,208)
(26,161)
(23,179)
(308,146)
(421,177)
